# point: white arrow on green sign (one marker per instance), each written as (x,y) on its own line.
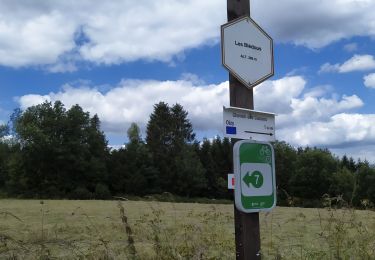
(254,168)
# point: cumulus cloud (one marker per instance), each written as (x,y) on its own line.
(33,99)
(364,152)
(318,91)
(356,63)
(32,37)
(133,100)
(150,29)
(304,116)
(313,108)
(315,25)
(340,129)
(112,32)
(369,80)
(62,67)
(316,120)
(276,96)
(294,104)
(351,47)
(314,117)
(107,32)
(328,67)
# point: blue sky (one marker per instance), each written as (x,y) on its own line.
(118,58)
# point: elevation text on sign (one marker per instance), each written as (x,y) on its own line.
(247,51)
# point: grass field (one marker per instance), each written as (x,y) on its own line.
(60,229)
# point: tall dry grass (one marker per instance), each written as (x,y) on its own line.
(155,230)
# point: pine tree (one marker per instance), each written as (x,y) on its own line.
(143,176)
(134,133)
(169,136)
(208,163)
(159,142)
(189,179)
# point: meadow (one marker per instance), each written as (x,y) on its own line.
(94,229)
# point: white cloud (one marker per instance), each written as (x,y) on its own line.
(351,47)
(304,116)
(315,25)
(364,152)
(133,100)
(276,96)
(33,39)
(111,32)
(312,117)
(341,128)
(328,67)
(62,67)
(287,98)
(32,99)
(318,91)
(356,63)
(104,32)
(313,108)
(153,30)
(369,80)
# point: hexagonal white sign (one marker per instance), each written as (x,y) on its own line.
(247,51)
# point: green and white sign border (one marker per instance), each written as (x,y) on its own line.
(237,173)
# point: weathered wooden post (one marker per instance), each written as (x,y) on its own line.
(247,230)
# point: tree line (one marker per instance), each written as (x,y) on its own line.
(48,151)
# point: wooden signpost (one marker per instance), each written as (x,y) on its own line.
(247,232)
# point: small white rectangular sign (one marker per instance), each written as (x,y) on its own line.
(230,181)
(248,124)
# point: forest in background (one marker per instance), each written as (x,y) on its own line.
(48,151)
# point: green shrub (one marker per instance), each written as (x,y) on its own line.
(81,193)
(102,191)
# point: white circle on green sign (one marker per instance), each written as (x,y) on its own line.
(254,167)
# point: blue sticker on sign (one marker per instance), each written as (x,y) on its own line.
(231,130)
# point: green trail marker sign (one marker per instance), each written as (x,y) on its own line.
(254,171)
